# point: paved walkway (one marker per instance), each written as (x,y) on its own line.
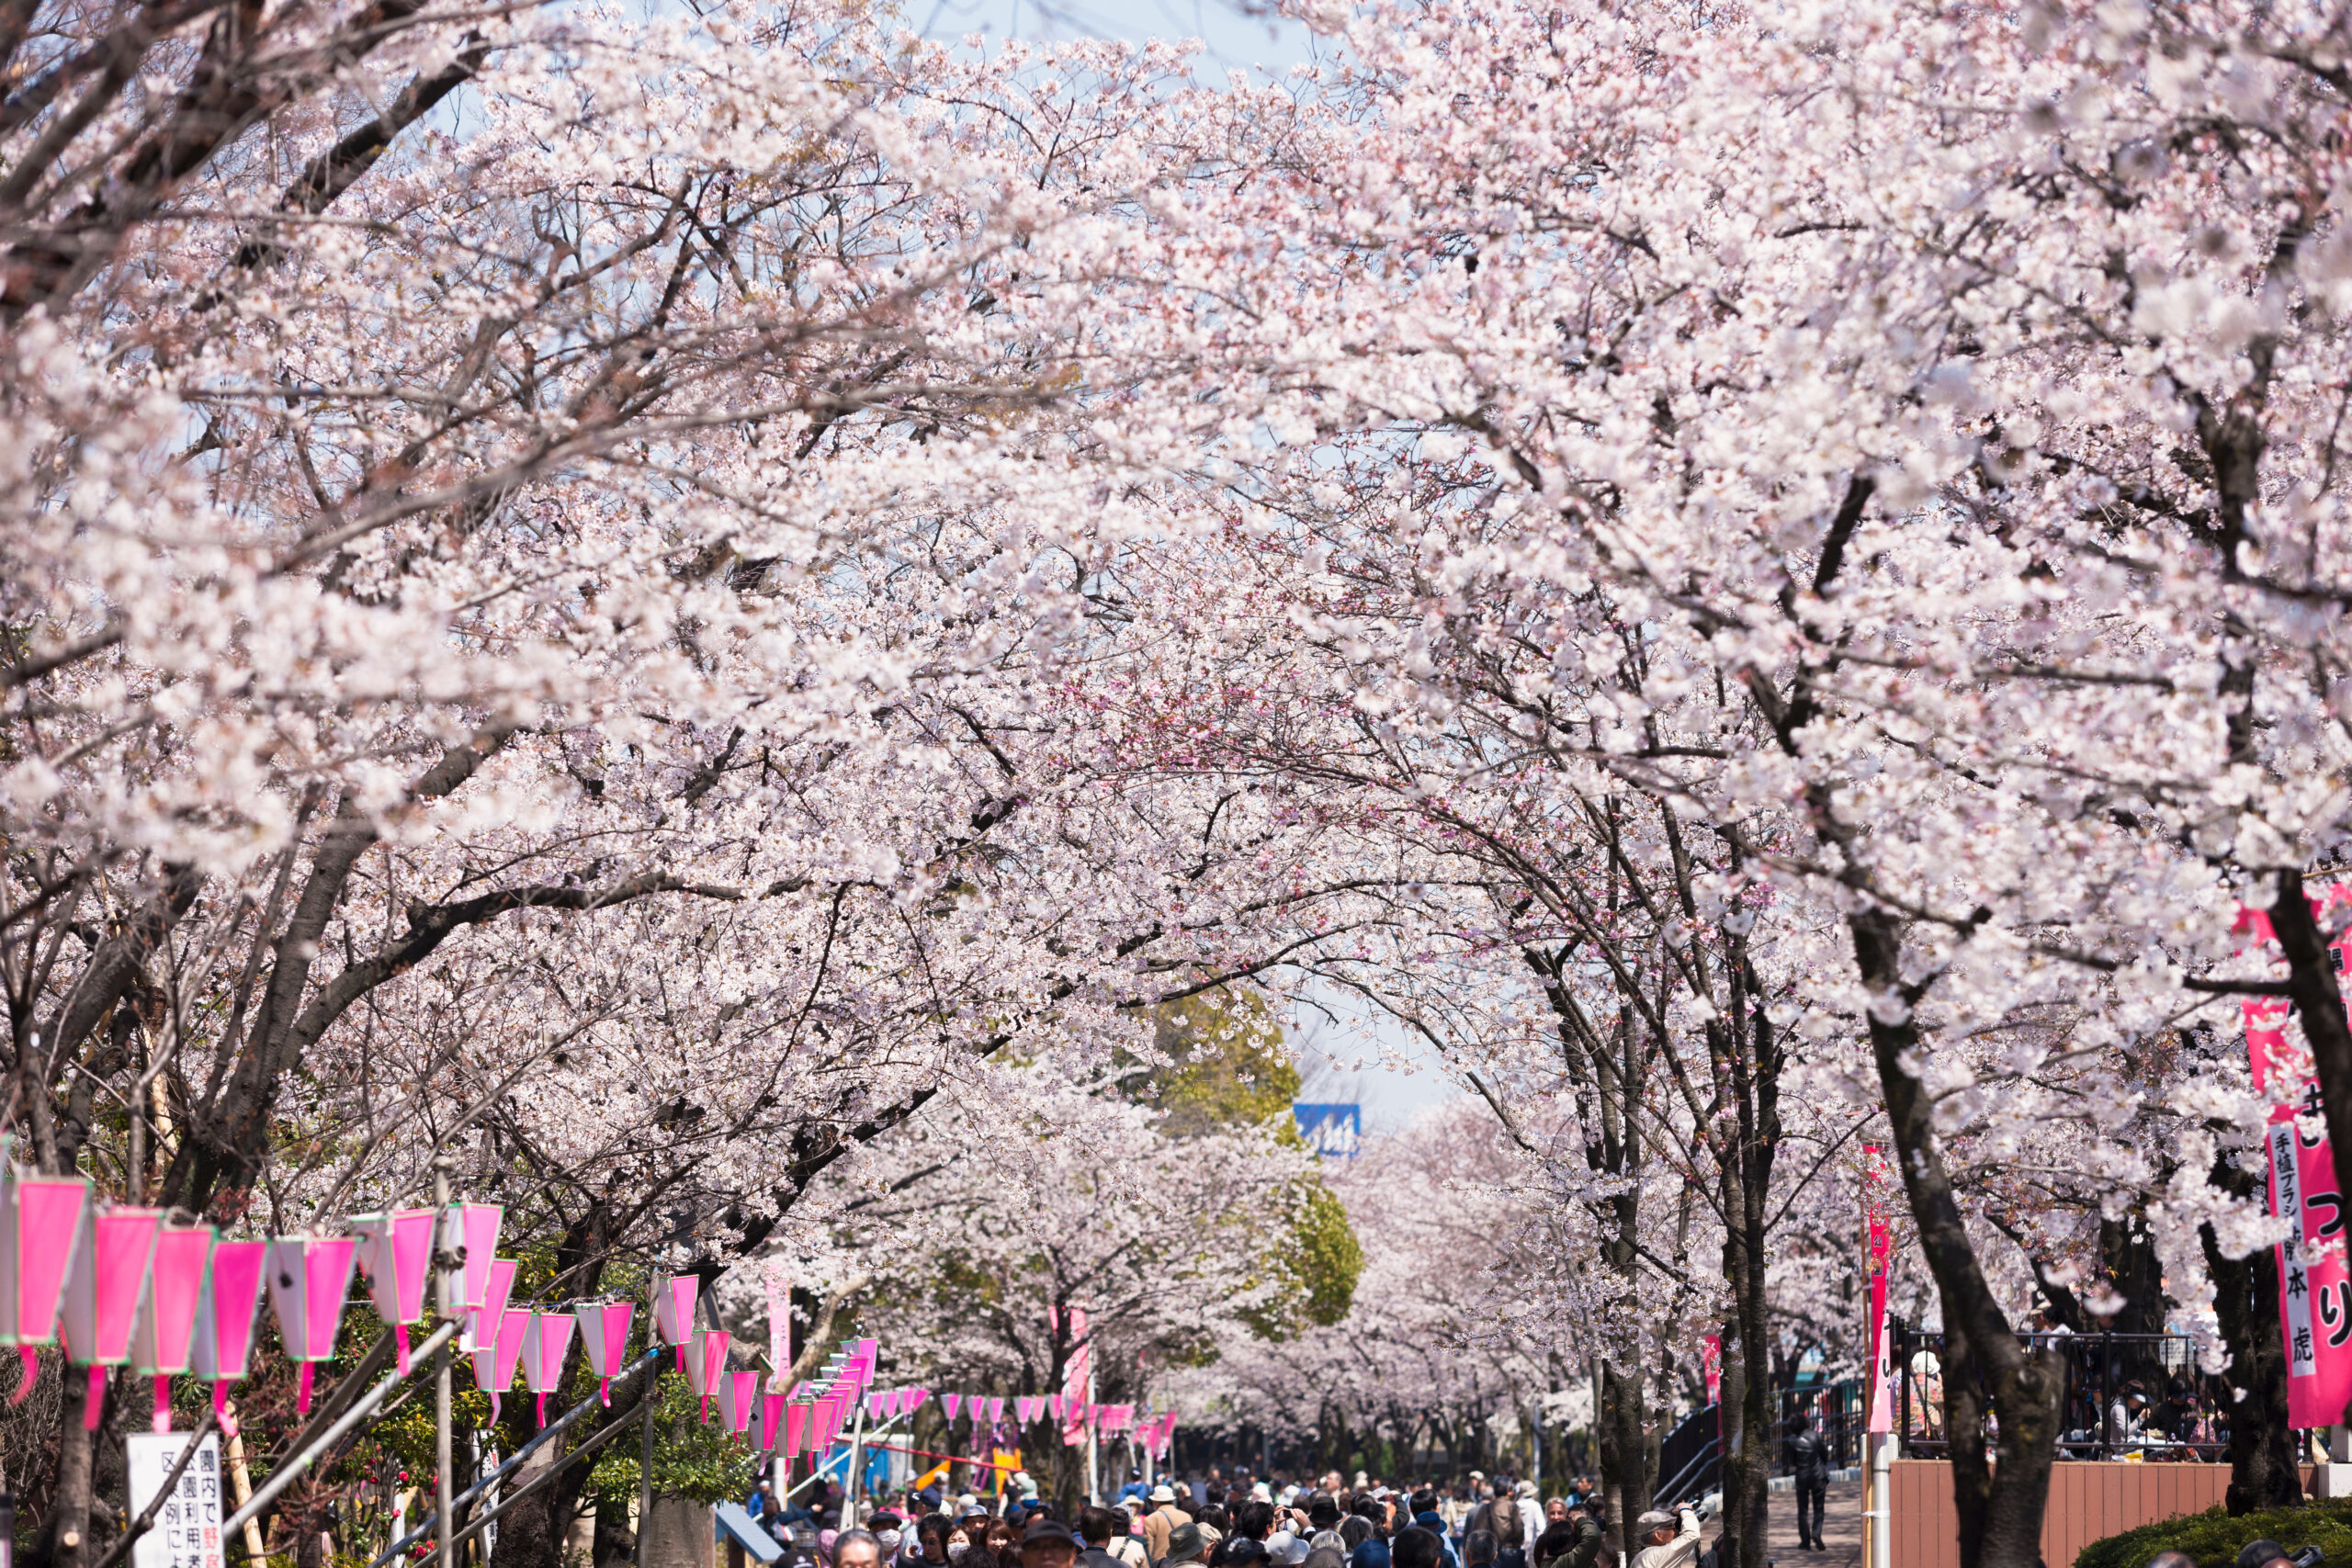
(1842,1529)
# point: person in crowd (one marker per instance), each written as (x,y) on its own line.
(958,1544)
(1214,1525)
(1531,1518)
(1096,1527)
(1324,1557)
(1665,1541)
(1163,1520)
(1254,1519)
(1126,1540)
(1004,1541)
(857,1548)
(1556,1511)
(1366,1550)
(1478,1549)
(2125,1420)
(1046,1542)
(1414,1547)
(928,1546)
(2171,1559)
(1575,1542)
(1185,1545)
(1498,1517)
(1286,1549)
(1323,1510)
(1239,1552)
(1806,1453)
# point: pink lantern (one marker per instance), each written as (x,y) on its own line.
(396,1254)
(604,1341)
(708,1367)
(470,1230)
(739,1395)
(499,1352)
(225,1319)
(309,1278)
(673,1313)
(951,1403)
(102,1291)
(798,1419)
(915,1396)
(483,1318)
(160,1340)
(772,1415)
(41,1223)
(545,1339)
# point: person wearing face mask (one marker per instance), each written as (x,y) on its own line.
(958,1545)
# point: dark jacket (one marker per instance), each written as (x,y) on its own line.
(1583,1552)
(1807,1453)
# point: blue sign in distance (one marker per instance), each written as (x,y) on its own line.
(1333,1130)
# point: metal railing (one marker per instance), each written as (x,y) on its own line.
(2181,1418)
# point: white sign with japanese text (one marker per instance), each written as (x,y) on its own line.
(187,1527)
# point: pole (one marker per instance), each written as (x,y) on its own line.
(449,1294)
(645,1479)
(1882,1537)
(286,1474)
(856,1464)
(1093,1438)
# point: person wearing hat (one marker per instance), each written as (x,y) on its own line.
(1161,1525)
(1240,1551)
(1046,1542)
(1666,1543)
(1185,1544)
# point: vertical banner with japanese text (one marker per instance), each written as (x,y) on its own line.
(2314,1283)
(1877,1192)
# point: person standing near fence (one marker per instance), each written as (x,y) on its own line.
(1807,1453)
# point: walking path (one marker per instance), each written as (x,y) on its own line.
(1842,1530)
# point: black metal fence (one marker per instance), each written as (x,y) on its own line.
(2128,1395)
(1689,1457)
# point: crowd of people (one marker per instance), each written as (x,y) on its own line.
(1235,1522)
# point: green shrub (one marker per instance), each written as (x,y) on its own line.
(2214,1538)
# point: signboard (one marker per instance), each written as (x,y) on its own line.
(2314,1283)
(187,1527)
(1332,1130)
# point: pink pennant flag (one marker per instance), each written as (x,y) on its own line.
(164,1335)
(223,1351)
(545,1339)
(797,1422)
(40,1224)
(996,1410)
(1054,1405)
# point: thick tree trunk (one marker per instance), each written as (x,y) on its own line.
(1624,1447)
(1986,1370)
(65,1538)
(2263,1474)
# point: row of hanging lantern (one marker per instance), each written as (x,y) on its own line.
(127,1288)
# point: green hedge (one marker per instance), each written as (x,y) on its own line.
(2212,1538)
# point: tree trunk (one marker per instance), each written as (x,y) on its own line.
(2263,1474)
(1986,1370)
(65,1538)
(1624,1447)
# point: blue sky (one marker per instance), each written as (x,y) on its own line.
(1232,39)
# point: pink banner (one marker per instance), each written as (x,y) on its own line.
(1075,1378)
(2315,1285)
(1876,1194)
(1711,1358)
